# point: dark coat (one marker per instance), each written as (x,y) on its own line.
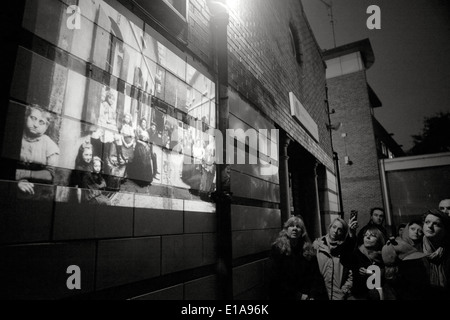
(360,289)
(294,275)
(141,169)
(94,183)
(411,282)
(81,169)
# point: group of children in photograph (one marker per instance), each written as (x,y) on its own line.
(113,152)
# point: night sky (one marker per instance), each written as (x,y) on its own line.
(411,74)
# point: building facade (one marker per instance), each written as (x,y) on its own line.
(358,138)
(108,145)
(414,184)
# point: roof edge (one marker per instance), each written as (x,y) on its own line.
(364,46)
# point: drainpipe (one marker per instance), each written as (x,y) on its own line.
(222,196)
(386,200)
(285,200)
(317,218)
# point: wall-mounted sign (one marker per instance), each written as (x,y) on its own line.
(302,116)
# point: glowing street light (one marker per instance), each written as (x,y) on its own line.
(232,4)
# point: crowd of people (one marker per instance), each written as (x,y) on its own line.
(413,264)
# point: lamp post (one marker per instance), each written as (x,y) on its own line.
(222,196)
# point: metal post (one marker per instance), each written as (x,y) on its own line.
(317,218)
(284,180)
(222,196)
(386,199)
(338,177)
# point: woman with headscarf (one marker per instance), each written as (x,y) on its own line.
(405,272)
(294,272)
(413,234)
(337,276)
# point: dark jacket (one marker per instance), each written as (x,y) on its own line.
(360,289)
(294,275)
(141,169)
(94,183)
(411,282)
(442,293)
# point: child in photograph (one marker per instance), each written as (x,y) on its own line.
(128,138)
(107,132)
(39,154)
(95,182)
(107,117)
(153,137)
(141,169)
(115,168)
(83,164)
(208,166)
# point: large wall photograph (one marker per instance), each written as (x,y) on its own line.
(115,112)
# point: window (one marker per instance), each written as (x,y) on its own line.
(384,149)
(157,7)
(294,51)
(295,43)
(178,5)
(168,17)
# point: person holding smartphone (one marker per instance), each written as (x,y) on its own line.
(377,217)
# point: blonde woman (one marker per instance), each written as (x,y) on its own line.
(295,273)
(330,248)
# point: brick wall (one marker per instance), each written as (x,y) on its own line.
(262,72)
(361,187)
(263,69)
(173,252)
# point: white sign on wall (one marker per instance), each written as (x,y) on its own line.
(302,116)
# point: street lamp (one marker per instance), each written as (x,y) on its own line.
(222,195)
(232,5)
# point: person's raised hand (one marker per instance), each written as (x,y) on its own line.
(353,225)
(437,254)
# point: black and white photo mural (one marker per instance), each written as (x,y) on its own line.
(111,112)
